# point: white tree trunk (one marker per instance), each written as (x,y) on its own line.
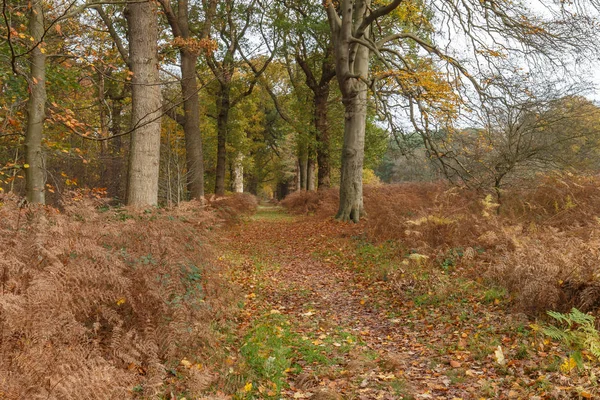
(142,188)
(238,174)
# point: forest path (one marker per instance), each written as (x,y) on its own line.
(318,323)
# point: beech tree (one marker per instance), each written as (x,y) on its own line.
(146,112)
(392,31)
(36,109)
(190,45)
(232,22)
(306,42)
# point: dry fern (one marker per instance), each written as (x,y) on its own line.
(96,304)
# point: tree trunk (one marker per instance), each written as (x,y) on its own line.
(115,181)
(352,71)
(191,126)
(322,127)
(310,172)
(238,174)
(142,188)
(351,190)
(190,121)
(35,173)
(303,163)
(224,105)
(298,178)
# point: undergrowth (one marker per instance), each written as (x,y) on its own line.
(578,332)
(233,206)
(99,302)
(542,244)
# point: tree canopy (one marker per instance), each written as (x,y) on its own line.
(273,97)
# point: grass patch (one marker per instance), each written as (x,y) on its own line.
(272,351)
(494,295)
(271,214)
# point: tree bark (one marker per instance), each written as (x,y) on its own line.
(238,174)
(322,128)
(298,178)
(190,122)
(223,106)
(351,191)
(142,188)
(191,125)
(303,163)
(310,173)
(352,70)
(35,173)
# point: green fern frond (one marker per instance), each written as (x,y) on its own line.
(555,333)
(580,333)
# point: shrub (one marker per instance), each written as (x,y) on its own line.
(543,245)
(578,332)
(230,207)
(322,202)
(105,304)
(560,200)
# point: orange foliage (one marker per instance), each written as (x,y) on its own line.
(105,304)
(543,246)
(232,206)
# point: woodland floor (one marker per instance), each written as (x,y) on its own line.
(321,321)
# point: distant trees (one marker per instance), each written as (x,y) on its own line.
(518,140)
(234,18)
(308,45)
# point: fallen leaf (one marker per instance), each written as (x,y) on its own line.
(186,363)
(499,356)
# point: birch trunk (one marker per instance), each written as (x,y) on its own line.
(142,188)
(238,174)
(35,173)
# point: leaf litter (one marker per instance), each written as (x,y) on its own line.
(360,337)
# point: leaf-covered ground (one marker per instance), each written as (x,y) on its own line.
(323,319)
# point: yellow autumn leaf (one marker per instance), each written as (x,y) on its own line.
(568,365)
(534,327)
(499,354)
(248,387)
(121,301)
(25,166)
(186,363)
